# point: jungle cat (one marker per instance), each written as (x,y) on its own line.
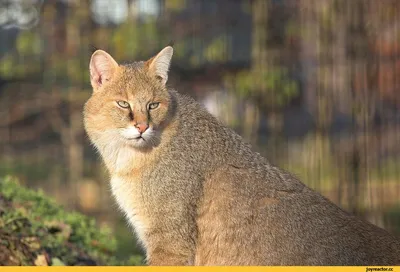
(195,192)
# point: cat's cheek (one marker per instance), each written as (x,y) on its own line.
(159,117)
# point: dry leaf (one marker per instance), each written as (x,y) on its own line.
(41,260)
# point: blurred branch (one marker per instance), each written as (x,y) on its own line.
(23,109)
(23,134)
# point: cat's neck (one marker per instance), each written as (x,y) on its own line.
(122,158)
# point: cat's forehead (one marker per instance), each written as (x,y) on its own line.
(135,80)
(134,71)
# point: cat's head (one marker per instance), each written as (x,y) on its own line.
(130,104)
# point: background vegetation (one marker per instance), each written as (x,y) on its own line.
(34,230)
(312,84)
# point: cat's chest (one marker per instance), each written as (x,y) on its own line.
(129,198)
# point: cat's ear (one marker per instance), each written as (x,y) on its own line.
(102,68)
(158,65)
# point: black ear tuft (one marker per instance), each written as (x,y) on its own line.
(171,43)
(93,49)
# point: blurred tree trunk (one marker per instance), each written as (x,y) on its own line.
(340,89)
(259,49)
(364,95)
(75,147)
(310,39)
(259,60)
(74,24)
(63,38)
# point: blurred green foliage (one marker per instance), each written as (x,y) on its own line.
(36,169)
(273,86)
(216,50)
(68,238)
(28,43)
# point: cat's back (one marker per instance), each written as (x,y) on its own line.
(274,219)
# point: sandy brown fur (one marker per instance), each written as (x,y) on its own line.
(200,195)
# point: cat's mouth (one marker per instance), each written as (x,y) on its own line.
(133,138)
(137,138)
(138,142)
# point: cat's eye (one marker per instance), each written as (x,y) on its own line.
(123,104)
(153,106)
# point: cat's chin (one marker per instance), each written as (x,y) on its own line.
(133,139)
(139,143)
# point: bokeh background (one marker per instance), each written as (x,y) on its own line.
(313,84)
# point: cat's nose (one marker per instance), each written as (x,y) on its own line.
(142,127)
